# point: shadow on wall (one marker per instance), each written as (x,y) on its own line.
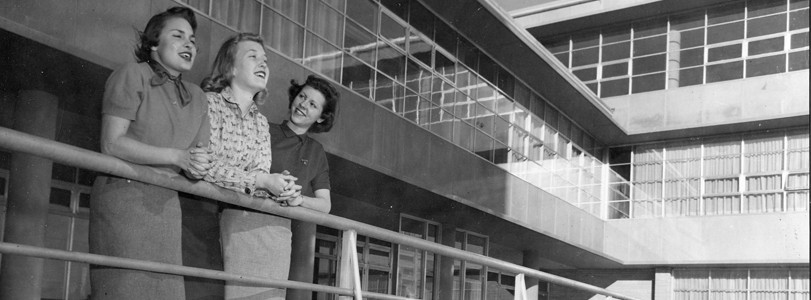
(636,283)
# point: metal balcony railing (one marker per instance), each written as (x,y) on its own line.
(349,283)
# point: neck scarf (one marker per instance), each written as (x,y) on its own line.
(162,76)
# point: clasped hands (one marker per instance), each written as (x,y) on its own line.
(196,161)
(283,188)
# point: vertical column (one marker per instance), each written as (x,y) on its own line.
(302,261)
(28,197)
(663,284)
(445,271)
(674,59)
(532,260)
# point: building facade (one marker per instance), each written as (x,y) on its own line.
(657,149)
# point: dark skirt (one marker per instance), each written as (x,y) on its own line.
(134,220)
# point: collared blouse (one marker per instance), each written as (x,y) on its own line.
(240,145)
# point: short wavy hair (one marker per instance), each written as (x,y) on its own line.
(331,97)
(224,62)
(151,35)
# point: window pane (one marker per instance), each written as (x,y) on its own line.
(444,66)
(323,57)
(292,9)
(692,76)
(725,52)
(650,28)
(360,42)
(620,69)
(616,51)
(445,37)
(766,65)
(563,58)
(585,57)
(727,71)
(468,54)
(63,173)
(242,15)
(799,19)
(420,48)
(487,68)
(557,46)
(687,21)
(326,22)
(506,82)
(724,33)
(799,40)
(766,46)
(649,64)
(586,74)
(392,30)
(725,13)
(692,38)
(766,25)
(357,76)
(614,87)
(764,7)
(692,57)
(364,12)
(647,83)
(795,4)
(391,62)
(421,19)
(60,197)
(282,34)
(587,40)
(798,61)
(616,35)
(418,78)
(650,45)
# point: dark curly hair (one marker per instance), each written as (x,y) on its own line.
(221,71)
(331,97)
(151,34)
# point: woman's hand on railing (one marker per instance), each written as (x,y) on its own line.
(199,162)
(276,183)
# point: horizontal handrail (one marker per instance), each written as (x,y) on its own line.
(83,158)
(128,263)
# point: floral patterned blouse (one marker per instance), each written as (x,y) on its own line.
(240,145)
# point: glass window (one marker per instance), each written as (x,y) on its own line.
(798,61)
(650,28)
(282,34)
(418,78)
(60,197)
(336,4)
(725,33)
(766,65)
(398,7)
(506,82)
(649,64)
(687,22)
(614,87)
(616,35)
(799,40)
(725,52)
(360,42)
(691,76)
(358,76)
(445,66)
(692,57)
(692,38)
(445,37)
(326,22)
(585,57)
(291,9)
(557,46)
(756,8)
(488,68)
(616,51)
(323,57)
(241,15)
(392,30)
(614,70)
(421,18)
(766,25)
(391,61)
(585,40)
(365,12)
(766,46)
(726,13)
(587,74)
(647,83)
(650,45)
(726,71)
(468,54)
(795,4)
(799,19)
(420,48)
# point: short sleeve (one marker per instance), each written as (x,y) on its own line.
(124,92)
(321,179)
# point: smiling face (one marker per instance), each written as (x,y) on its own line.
(176,49)
(306,108)
(250,66)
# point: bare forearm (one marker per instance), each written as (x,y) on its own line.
(134,151)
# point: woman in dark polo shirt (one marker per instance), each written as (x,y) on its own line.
(150,117)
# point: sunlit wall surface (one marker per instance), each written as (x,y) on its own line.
(741,174)
(401,56)
(743,39)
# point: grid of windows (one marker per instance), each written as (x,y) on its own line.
(374,260)
(739,40)
(766,284)
(401,56)
(752,173)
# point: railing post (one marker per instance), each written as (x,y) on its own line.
(520,288)
(350,272)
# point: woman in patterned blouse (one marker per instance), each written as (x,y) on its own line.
(240,148)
